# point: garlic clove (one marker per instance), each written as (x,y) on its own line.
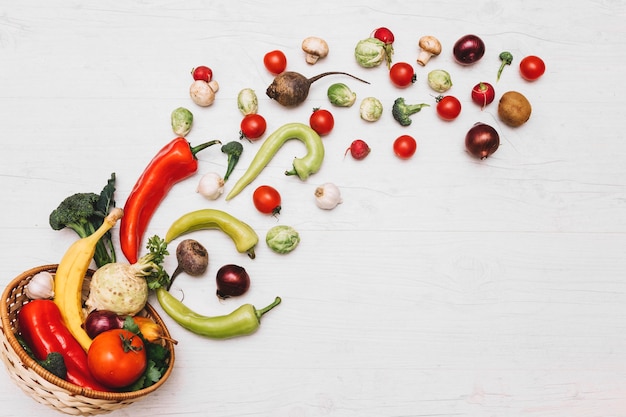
(211,186)
(40,287)
(328,196)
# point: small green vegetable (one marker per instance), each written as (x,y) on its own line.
(439,80)
(302,167)
(340,95)
(369,52)
(182,119)
(371,109)
(402,111)
(247,101)
(282,238)
(84,213)
(233,150)
(54,362)
(506,58)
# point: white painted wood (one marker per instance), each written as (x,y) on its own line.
(441,286)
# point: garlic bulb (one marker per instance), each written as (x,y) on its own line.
(40,287)
(211,185)
(327,196)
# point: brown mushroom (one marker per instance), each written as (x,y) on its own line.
(430,47)
(315,48)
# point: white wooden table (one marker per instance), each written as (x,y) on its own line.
(443,285)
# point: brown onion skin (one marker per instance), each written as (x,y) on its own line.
(468,49)
(482,140)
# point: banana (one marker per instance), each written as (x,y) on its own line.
(70,274)
(244,237)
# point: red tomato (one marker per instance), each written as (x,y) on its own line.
(322,121)
(275,62)
(448,107)
(532,67)
(267,200)
(404,146)
(117,358)
(253,126)
(202,73)
(402,74)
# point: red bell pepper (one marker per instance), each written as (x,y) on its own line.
(42,328)
(173,163)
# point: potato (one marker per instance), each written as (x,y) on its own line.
(514,109)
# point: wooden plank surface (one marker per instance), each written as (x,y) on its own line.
(441,286)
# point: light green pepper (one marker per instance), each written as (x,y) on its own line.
(244,236)
(302,167)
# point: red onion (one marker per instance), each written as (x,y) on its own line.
(482,140)
(468,49)
(99,321)
(232,280)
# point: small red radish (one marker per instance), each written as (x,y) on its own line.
(483,94)
(358,149)
(202,73)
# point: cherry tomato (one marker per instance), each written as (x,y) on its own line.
(448,107)
(267,200)
(202,73)
(322,121)
(532,67)
(117,358)
(402,74)
(253,126)
(404,146)
(275,62)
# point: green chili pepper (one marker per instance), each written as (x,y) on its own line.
(302,167)
(244,237)
(243,321)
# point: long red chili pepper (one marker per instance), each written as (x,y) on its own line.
(173,163)
(43,330)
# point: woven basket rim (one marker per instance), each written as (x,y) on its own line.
(72,389)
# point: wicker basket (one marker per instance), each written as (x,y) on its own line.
(47,388)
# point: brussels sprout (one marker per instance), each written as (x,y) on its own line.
(439,80)
(369,52)
(340,95)
(247,102)
(371,109)
(182,120)
(282,239)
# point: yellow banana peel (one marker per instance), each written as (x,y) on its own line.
(70,275)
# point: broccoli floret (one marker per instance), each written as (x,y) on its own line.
(233,150)
(76,212)
(401,111)
(84,213)
(54,362)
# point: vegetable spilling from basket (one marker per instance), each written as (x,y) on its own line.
(97,336)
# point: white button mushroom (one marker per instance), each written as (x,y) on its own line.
(315,48)
(203,93)
(430,47)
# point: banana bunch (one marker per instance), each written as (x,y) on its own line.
(70,274)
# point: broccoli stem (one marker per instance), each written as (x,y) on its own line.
(233,150)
